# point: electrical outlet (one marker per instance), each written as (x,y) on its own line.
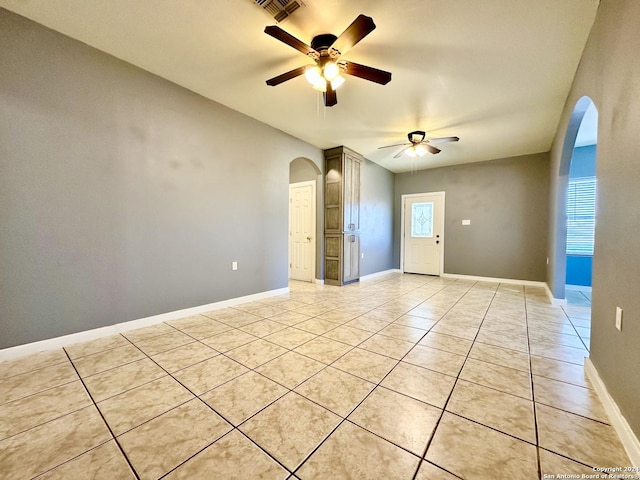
(547,260)
(234,265)
(362,255)
(619,318)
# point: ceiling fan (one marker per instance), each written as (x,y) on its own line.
(326,51)
(419,145)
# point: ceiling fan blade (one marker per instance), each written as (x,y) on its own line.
(431,148)
(296,72)
(279,34)
(359,28)
(396,145)
(443,139)
(330,97)
(368,73)
(399,154)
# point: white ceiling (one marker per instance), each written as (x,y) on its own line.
(496,73)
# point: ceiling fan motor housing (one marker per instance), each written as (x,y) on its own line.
(323,41)
(417,136)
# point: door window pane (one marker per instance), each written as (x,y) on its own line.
(422,220)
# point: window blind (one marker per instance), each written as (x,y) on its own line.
(581,215)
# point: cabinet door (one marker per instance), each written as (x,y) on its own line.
(355,195)
(333,244)
(333,216)
(351,258)
(347,189)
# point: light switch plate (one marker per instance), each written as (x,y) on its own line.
(466,222)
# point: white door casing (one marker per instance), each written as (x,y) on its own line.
(422,223)
(302,231)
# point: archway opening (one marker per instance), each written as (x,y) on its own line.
(303,228)
(576,198)
(581,211)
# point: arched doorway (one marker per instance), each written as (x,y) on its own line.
(581,196)
(577,189)
(303,238)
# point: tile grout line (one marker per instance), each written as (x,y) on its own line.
(435,428)
(379,384)
(353,347)
(210,408)
(533,393)
(578,333)
(330,364)
(34,394)
(3,378)
(103,419)
(172,408)
(256,413)
(351,296)
(345,418)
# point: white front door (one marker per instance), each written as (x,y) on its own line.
(423,233)
(302,231)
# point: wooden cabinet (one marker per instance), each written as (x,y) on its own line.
(342,215)
(351,198)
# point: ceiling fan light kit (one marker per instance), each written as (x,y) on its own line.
(326,51)
(330,71)
(416,151)
(419,144)
(319,78)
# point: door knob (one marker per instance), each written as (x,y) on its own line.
(309,238)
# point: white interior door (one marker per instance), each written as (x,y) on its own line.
(302,231)
(423,233)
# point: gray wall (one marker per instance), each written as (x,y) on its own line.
(302,170)
(504,199)
(124,196)
(376,218)
(609,76)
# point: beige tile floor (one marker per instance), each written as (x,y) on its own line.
(400,377)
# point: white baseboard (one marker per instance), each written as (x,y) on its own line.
(552,299)
(318,281)
(511,281)
(18,351)
(629,440)
(372,276)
